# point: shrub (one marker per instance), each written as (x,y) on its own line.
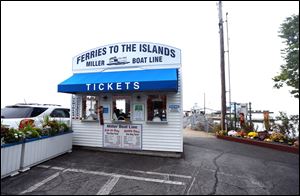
(263,135)
(232,133)
(248,127)
(63,127)
(253,134)
(29,134)
(12,136)
(4,129)
(275,136)
(221,132)
(216,128)
(241,133)
(29,130)
(43,132)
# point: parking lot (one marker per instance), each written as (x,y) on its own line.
(208,166)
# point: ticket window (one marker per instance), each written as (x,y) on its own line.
(156,108)
(89,108)
(121,108)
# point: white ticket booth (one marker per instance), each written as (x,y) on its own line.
(127,97)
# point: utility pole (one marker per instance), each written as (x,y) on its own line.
(222,65)
(228,62)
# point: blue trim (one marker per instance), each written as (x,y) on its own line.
(10,144)
(45,137)
(33,139)
(122,81)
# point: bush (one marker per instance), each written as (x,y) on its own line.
(12,136)
(4,129)
(263,135)
(43,132)
(221,132)
(30,131)
(248,127)
(29,134)
(216,128)
(63,127)
(27,130)
(253,134)
(54,127)
(241,133)
(275,136)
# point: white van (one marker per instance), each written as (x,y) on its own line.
(11,116)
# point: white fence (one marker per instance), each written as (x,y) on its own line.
(21,156)
(10,159)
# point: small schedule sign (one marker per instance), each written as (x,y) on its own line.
(127,136)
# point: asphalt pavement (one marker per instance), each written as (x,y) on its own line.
(209,166)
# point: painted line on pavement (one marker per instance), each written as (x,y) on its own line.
(117,175)
(109,185)
(34,187)
(188,192)
(127,176)
(162,174)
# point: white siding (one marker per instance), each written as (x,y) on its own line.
(166,137)
(87,133)
(155,137)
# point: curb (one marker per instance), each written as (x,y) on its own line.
(275,146)
(136,152)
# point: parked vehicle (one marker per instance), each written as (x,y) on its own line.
(12,115)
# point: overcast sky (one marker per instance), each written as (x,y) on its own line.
(39,39)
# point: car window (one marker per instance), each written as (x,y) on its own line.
(67,112)
(16,112)
(60,113)
(21,112)
(37,111)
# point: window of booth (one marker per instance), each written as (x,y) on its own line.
(121,108)
(156,108)
(89,108)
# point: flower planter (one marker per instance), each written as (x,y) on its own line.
(36,151)
(272,145)
(10,159)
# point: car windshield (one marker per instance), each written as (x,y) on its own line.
(21,112)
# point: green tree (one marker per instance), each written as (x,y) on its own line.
(289,31)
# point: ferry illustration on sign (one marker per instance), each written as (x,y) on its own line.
(117,61)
